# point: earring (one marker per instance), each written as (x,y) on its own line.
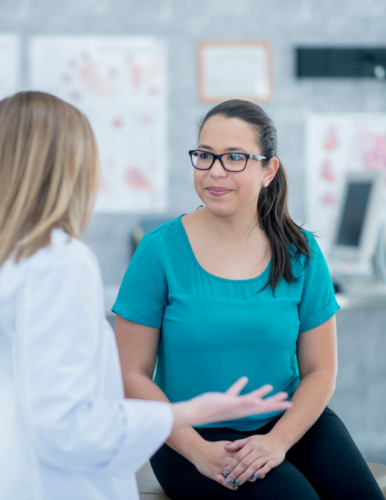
(266,184)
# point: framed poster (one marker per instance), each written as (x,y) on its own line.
(120,84)
(337,144)
(235,70)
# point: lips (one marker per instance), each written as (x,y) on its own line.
(218,191)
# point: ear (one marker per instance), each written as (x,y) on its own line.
(270,171)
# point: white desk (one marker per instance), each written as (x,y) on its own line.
(362,294)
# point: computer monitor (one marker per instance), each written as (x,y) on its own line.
(359,217)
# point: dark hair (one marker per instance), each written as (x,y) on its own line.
(284,235)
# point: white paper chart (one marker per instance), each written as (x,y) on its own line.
(235,69)
(120,84)
(250,62)
(9,64)
(337,144)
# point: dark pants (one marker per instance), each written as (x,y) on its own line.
(324,465)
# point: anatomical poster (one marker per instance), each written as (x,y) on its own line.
(120,84)
(335,145)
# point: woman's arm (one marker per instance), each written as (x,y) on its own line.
(317,359)
(318,366)
(137,346)
(57,365)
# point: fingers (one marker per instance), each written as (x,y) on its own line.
(263,471)
(237,387)
(236,445)
(257,394)
(257,470)
(253,402)
(247,469)
(261,392)
(227,482)
(278,401)
(273,403)
(280,396)
(240,462)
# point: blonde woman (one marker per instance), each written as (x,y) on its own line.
(66,431)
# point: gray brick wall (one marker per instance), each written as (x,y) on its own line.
(360,396)
(184,23)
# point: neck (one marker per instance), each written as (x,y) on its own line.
(235,227)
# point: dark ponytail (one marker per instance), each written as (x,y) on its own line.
(284,235)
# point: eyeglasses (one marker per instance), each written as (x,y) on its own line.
(231,162)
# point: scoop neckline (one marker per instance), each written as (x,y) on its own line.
(226,280)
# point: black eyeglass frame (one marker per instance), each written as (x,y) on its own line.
(219,157)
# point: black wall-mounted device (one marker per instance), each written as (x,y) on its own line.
(344,62)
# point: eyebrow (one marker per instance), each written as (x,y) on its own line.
(205,146)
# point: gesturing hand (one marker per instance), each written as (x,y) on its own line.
(256,456)
(216,406)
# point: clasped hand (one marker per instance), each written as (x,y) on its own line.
(255,457)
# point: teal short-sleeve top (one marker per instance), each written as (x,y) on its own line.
(215,330)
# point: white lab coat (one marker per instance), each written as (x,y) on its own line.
(66,432)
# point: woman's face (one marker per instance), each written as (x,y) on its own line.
(226,193)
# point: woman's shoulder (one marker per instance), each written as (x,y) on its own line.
(64,258)
(63,249)
(308,238)
(62,255)
(67,260)
(311,240)
(304,258)
(166,233)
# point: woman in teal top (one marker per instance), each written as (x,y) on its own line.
(215,329)
(228,291)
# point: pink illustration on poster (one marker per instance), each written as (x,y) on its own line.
(337,144)
(120,84)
